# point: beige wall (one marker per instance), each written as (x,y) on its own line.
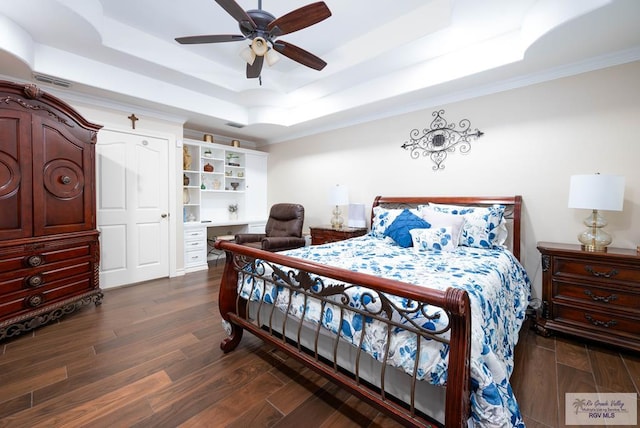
(535,138)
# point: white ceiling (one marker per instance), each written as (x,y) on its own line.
(384,58)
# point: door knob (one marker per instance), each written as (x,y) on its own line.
(164,215)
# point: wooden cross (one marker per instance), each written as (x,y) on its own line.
(133,119)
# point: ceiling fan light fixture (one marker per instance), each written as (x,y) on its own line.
(259,46)
(248,55)
(272,57)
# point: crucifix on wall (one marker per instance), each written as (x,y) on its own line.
(133,120)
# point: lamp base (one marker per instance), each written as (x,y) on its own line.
(594,238)
(337,221)
(593,249)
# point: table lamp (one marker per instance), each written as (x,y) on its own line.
(596,192)
(338,195)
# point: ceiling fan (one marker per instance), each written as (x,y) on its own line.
(263,29)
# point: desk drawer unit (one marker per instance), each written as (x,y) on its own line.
(195,248)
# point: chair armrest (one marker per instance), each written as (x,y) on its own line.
(280,243)
(241,238)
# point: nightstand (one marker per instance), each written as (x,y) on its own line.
(325,234)
(592,295)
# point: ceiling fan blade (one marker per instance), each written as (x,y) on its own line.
(254,70)
(217,38)
(236,12)
(298,19)
(299,55)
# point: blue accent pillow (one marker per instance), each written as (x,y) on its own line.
(399,229)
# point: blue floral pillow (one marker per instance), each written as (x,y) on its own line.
(383,217)
(399,229)
(437,238)
(482,224)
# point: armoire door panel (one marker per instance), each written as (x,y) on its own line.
(60,185)
(15,175)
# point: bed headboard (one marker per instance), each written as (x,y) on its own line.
(512,213)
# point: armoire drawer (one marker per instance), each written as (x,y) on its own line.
(39,277)
(12,304)
(33,256)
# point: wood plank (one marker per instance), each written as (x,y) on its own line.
(314,411)
(154,329)
(609,371)
(31,381)
(261,415)
(15,405)
(190,395)
(570,353)
(632,363)
(245,406)
(92,384)
(80,413)
(537,395)
(297,391)
(126,415)
(571,379)
(352,411)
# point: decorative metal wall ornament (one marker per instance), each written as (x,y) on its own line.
(440,138)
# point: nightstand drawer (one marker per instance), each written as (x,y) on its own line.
(595,271)
(604,297)
(604,322)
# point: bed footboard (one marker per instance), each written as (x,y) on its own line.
(329,286)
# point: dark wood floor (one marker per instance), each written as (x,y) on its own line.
(150,357)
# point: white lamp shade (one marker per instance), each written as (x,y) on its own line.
(339,195)
(248,55)
(357,217)
(596,192)
(272,57)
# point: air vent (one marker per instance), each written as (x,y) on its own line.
(51,80)
(234,125)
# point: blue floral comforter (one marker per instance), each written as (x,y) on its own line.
(499,290)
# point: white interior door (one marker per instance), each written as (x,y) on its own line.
(133,205)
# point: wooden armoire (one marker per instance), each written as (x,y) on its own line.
(49,249)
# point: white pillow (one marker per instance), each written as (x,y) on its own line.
(438,219)
(482,224)
(435,238)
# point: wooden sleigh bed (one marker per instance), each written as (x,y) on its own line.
(350,326)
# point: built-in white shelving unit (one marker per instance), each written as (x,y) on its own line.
(215,178)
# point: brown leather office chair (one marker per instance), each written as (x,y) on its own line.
(282,232)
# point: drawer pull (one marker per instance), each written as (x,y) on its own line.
(609,298)
(35,281)
(34,261)
(598,323)
(35,301)
(610,274)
